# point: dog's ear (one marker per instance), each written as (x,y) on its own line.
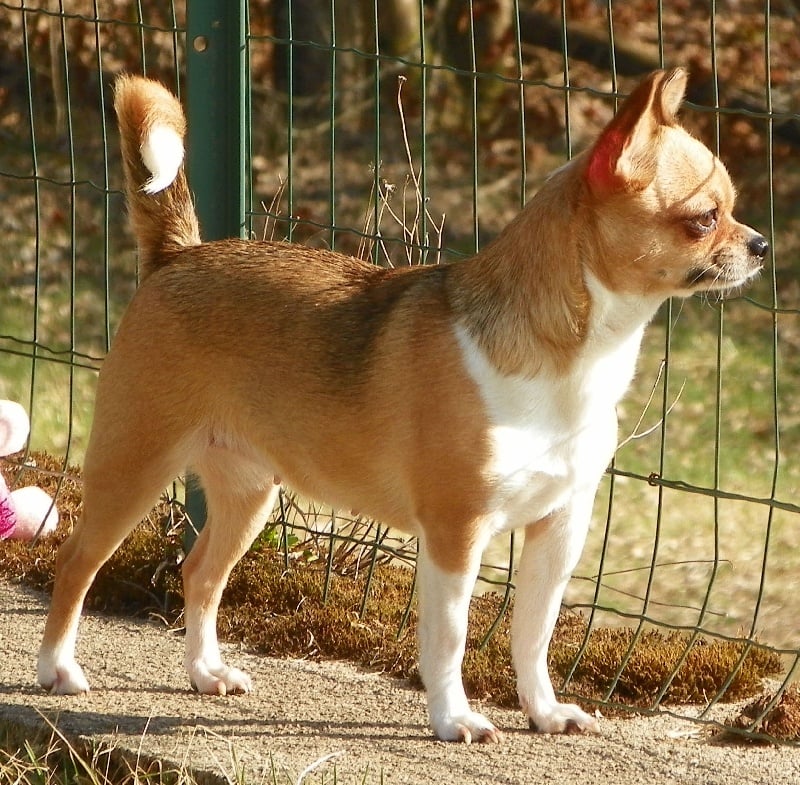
(624,156)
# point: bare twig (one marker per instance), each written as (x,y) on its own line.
(635,434)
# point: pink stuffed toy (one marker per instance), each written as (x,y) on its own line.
(23,511)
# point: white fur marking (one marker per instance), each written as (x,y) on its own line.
(162,154)
(548,558)
(443,612)
(554,434)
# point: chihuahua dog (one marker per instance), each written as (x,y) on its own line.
(454,401)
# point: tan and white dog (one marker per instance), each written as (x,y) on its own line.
(456,402)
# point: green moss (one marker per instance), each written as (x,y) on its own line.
(656,658)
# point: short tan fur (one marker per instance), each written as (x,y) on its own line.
(454,401)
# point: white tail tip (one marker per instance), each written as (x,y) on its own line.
(162,154)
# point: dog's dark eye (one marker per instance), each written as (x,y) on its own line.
(705,222)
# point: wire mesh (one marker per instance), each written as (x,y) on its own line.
(416,138)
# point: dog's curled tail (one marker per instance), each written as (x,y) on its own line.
(152,126)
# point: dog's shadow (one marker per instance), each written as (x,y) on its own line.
(89,723)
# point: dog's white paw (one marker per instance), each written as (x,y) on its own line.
(64,678)
(219,679)
(562,718)
(466,728)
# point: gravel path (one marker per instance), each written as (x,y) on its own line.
(302,711)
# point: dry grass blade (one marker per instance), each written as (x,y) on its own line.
(312,767)
(271,212)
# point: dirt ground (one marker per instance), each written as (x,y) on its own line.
(302,711)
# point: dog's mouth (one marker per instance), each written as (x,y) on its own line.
(721,276)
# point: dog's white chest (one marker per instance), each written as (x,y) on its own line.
(550,437)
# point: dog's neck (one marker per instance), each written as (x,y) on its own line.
(523,298)
(530,299)
(616,316)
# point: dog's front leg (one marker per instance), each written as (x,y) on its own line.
(552,548)
(443,612)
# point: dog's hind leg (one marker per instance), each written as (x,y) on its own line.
(122,479)
(240,495)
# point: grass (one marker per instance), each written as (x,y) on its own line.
(705,560)
(47,756)
(70,275)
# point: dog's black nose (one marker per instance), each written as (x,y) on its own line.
(758,246)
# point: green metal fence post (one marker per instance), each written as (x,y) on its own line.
(216,80)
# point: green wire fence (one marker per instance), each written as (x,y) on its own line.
(408,132)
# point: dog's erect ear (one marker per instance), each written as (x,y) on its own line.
(623,158)
(670,94)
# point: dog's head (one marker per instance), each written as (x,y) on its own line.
(662,202)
